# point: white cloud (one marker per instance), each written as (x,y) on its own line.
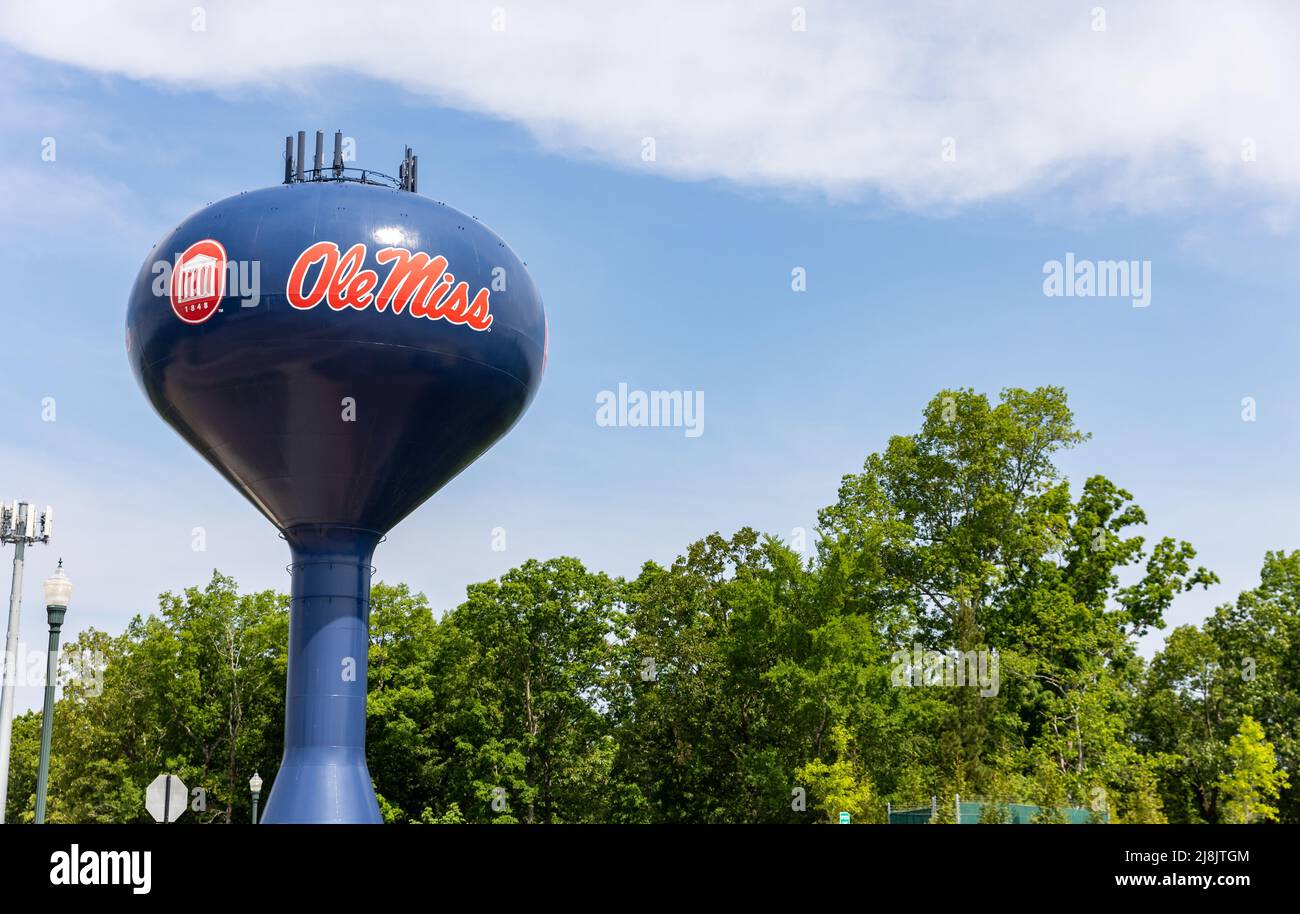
(1152,111)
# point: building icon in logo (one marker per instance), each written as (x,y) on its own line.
(199,281)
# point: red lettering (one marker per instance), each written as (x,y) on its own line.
(416,283)
(351,285)
(430,305)
(326,251)
(413,278)
(457,302)
(479,317)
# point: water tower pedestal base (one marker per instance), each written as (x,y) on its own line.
(323,777)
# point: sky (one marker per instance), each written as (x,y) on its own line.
(920,164)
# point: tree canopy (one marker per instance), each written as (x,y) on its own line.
(966,622)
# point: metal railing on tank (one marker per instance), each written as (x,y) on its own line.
(296,172)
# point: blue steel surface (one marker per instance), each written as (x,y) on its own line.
(259,391)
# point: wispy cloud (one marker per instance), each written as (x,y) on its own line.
(1154,109)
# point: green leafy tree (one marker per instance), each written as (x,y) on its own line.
(965,537)
(529,656)
(1140,804)
(713,688)
(1239,663)
(404,719)
(1185,722)
(1258,639)
(842,785)
(195,691)
(1252,782)
(24,757)
(738,663)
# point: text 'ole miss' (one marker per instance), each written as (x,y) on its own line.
(416,283)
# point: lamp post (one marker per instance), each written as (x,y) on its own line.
(255,785)
(18,525)
(57,591)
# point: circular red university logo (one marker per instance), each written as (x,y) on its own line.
(198,281)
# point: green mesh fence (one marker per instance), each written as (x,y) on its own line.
(973,812)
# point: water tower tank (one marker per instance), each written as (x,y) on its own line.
(338,347)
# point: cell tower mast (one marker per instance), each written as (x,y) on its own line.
(18,525)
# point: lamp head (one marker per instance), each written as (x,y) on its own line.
(58,589)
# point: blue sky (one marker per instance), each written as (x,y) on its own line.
(666,275)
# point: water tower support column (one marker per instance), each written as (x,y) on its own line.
(323,777)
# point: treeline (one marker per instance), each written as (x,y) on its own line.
(753,682)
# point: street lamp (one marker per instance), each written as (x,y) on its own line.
(255,785)
(18,525)
(57,591)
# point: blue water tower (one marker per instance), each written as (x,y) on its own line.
(338,347)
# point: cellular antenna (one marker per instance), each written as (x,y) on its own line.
(318,171)
(302,150)
(288,160)
(338,153)
(406,172)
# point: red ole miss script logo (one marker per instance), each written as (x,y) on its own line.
(416,283)
(198,281)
